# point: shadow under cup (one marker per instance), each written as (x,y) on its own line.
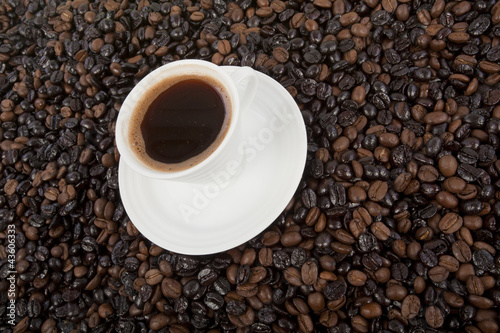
(222,155)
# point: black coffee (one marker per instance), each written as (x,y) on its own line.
(183,125)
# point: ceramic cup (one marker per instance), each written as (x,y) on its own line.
(226,155)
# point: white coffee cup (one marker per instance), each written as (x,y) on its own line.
(226,155)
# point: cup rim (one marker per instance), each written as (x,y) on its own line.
(161,73)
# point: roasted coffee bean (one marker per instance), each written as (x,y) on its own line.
(449,262)
(438,274)
(337,195)
(235,308)
(305,323)
(309,273)
(335,290)
(482,259)
(461,251)
(380,230)
(356,278)
(410,306)
(434,316)
(475,285)
(428,174)
(292,276)
(377,191)
(153,277)
(450,223)
(371,310)
(428,258)
(171,288)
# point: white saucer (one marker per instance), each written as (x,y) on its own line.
(210,218)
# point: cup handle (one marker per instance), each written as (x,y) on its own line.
(247,93)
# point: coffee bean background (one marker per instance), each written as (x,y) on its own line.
(393,227)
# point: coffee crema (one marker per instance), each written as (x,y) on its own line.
(179,122)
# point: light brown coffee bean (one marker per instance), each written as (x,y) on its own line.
(488,325)
(356,194)
(461,8)
(450,223)
(474,285)
(270,238)
(489,67)
(248,257)
(464,271)
(383,275)
(153,277)
(349,18)
(410,306)
(447,200)
(434,316)
(359,324)
(390,140)
(453,299)
(344,237)
(360,30)
(454,185)
(436,118)
(292,276)
(488,281)
(159,321)
(328,318)
(396,292)
(461,251)
(402,181)
(311,25)
(322,3)
(473,222)
(290,239)
(362,214)
(197,16)
(306,324)
(298,20)
(449,262)
(280,54)
(448,165)
(389,5)
(312,216)
(465,235)
(171,288)
(424,17)
(247,289)
(371,310)
(266,256)
(380,230)
(309,272)
(459,37)
(470,192)
(438,274)
(480,302)
(357,227)
(316,301)
(257,274)
(427,173)
(224,47)
(356,278)
(377,190)
(358,94)
(341,144)
(264,11)
(278,6)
